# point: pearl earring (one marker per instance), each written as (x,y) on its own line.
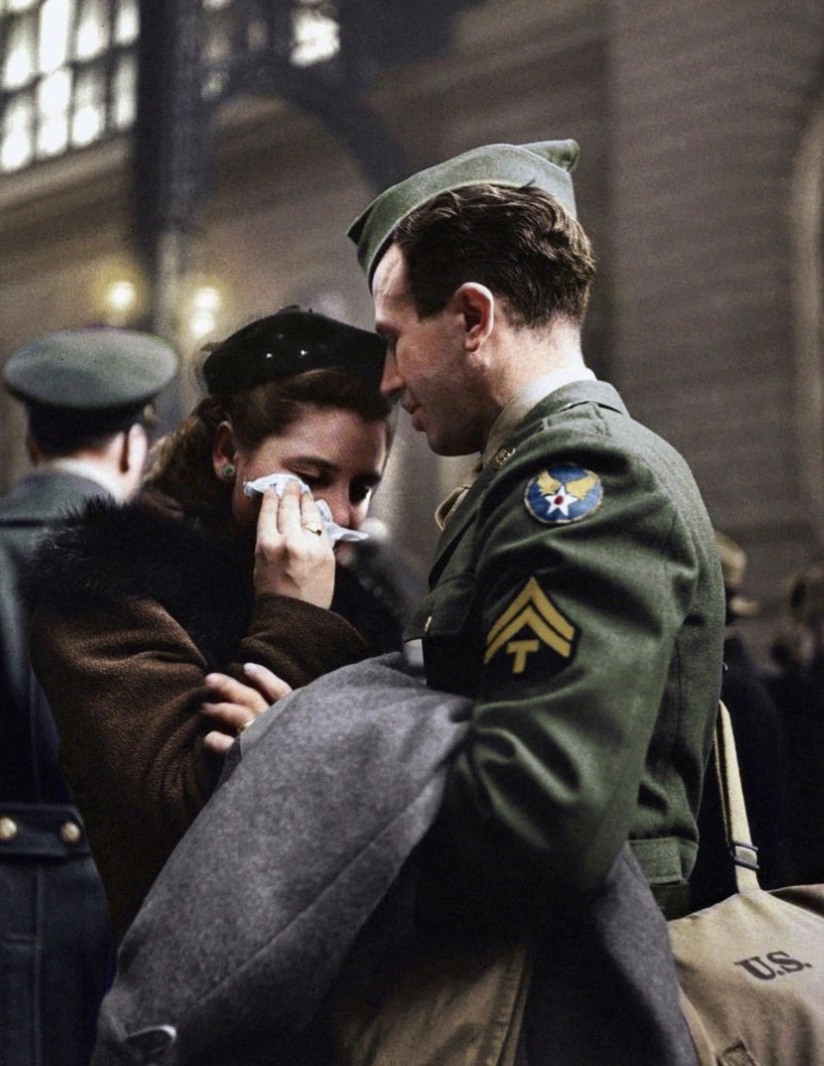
(228,472)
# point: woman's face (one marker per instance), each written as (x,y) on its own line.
(339,455)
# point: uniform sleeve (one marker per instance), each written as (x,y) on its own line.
(125,686)
(581,586)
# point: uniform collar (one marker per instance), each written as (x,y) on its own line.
(519,406)
(88,471)
(561,398)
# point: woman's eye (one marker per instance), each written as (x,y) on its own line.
(308,479)
(360,493)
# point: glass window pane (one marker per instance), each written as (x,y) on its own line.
(54,34)
(214,84)
(128,22)
(18,143)
(257,35)
(125,92)
(20,5)
(89,119)
(218,41)
(316,37)
(53,97)
(19,59)
(92,30)
(216,5)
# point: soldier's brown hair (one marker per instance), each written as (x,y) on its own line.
(519,242)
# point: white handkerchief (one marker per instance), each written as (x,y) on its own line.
(278,482)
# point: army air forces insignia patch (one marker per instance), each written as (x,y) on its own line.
(530,629)
(562,494)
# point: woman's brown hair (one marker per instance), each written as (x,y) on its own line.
(181,467)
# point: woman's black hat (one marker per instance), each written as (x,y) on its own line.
(291,342)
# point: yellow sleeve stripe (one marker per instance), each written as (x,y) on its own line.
(530,617)
(534,594)
(532,609)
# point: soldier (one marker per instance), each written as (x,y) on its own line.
(86,394)
(576,594)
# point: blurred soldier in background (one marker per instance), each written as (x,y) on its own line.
(757,727)
(86,394)
(380,588)
(760,744)
(798,690)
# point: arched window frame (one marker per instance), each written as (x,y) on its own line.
(807,257)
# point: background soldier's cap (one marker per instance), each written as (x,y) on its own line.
(546,165)
(291,342)
(91,369)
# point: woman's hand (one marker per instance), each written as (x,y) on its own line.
(293,554)
(236,705)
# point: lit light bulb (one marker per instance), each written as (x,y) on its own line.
(207,298)
(202,322)
(121,296)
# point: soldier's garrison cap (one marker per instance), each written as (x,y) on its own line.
(291,342)
(545,164)
(98,378)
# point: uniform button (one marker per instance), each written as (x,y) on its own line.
(8,828)
(427,624)
(501,457)
(70,833)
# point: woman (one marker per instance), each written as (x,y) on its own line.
(137,609)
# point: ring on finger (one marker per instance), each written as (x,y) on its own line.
(245,726)
(312,527)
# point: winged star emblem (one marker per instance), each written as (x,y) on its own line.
(563,493)
(560,496)
(579,488)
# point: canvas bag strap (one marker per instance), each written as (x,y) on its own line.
(736,825)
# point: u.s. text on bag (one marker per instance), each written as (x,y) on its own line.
(751,968)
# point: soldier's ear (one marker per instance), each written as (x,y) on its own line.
(475,304)
(133,449)
(34,452)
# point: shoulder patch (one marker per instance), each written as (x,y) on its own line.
(530,631)
(562,494)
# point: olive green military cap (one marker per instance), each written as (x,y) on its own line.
(545,164)
(90,370)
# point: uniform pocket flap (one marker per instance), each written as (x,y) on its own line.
(445,610)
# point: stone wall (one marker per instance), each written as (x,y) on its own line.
(709,103)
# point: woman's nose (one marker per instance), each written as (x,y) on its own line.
(341,508)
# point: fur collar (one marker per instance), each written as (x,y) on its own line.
(110,553)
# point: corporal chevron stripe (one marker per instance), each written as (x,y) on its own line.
(532,609)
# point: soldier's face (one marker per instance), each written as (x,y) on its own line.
(426,365)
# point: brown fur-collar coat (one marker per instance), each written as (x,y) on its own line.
(131,608)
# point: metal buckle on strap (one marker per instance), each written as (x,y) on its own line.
(739,860)
(149,1045)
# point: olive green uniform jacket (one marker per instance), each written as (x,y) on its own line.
(576,595)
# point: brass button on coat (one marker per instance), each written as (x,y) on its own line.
(502,456)
(8,829)
(70,833)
